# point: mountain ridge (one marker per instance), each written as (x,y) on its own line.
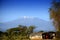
(39,23)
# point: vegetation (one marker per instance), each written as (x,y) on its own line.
(18,33)
(55,16)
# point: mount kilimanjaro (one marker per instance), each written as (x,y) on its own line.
(39,23)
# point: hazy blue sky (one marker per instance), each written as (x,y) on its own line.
(14,9)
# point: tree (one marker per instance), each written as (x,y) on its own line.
(1,33)
(31,29)
(41,31)
(55,16)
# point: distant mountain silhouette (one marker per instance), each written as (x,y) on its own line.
(39,23)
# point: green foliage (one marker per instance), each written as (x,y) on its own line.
(18,33)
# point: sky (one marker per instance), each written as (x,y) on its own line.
(14,9)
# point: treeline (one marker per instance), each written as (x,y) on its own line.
(17,33)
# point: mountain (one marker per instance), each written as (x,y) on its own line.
(39,23)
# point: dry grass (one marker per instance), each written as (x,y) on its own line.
(36,39)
